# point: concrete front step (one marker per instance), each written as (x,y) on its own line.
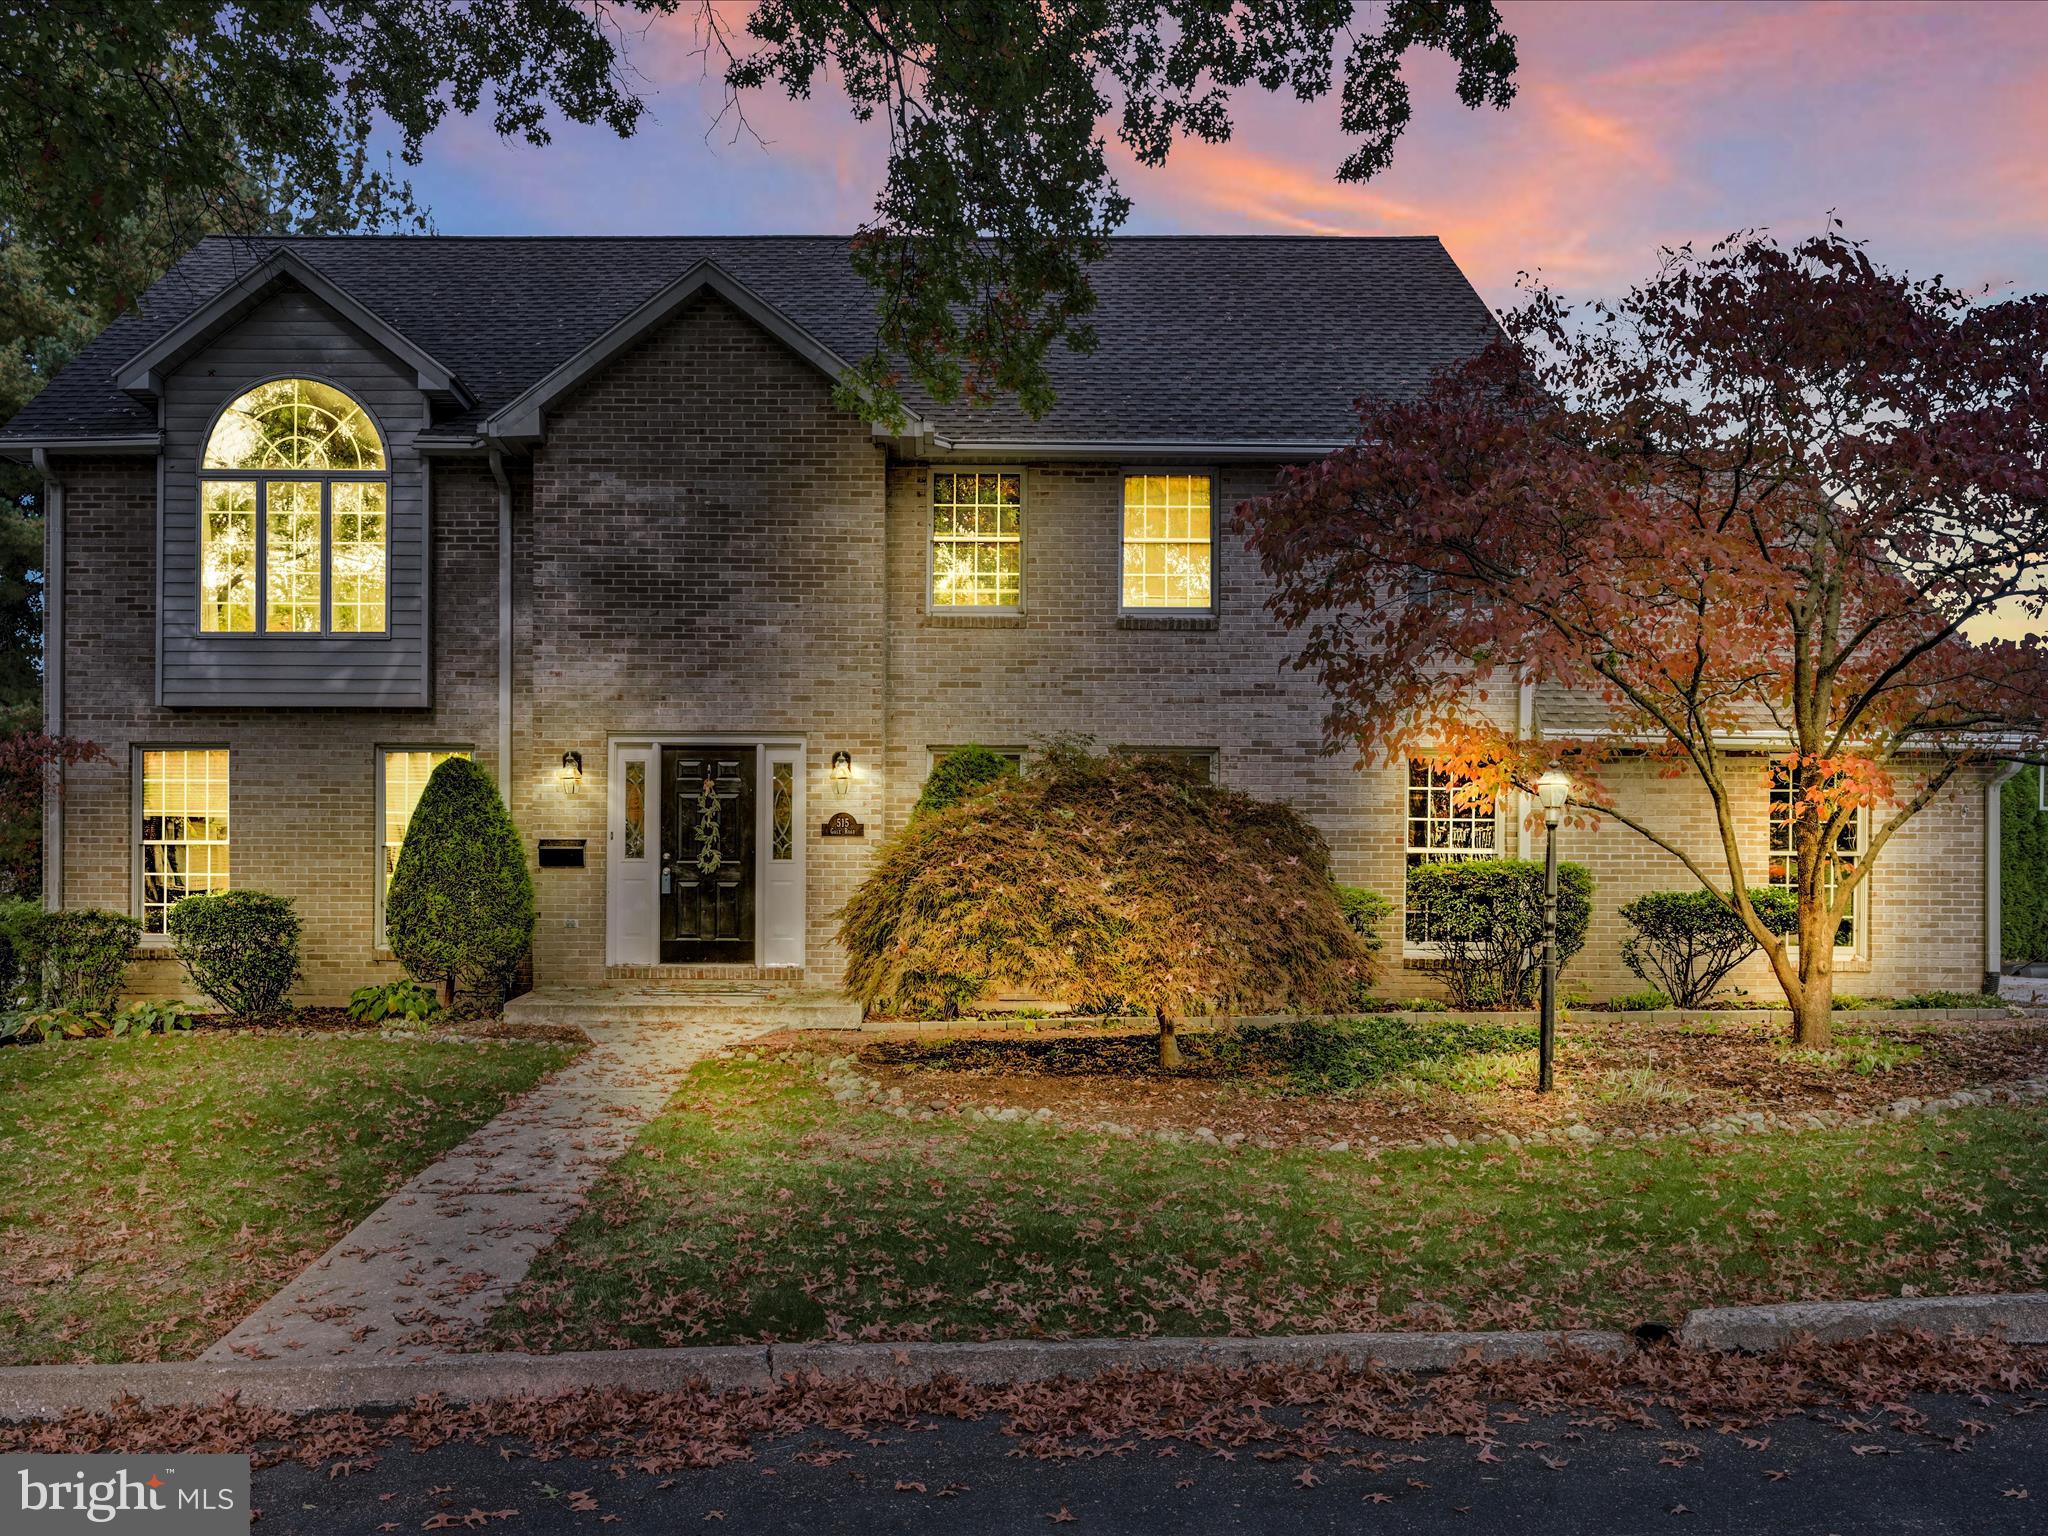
(686,1002)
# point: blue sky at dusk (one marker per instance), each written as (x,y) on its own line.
(1924,125)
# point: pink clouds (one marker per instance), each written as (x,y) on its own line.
(1637,125)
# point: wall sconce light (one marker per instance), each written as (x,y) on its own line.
(842,772)
(572,772)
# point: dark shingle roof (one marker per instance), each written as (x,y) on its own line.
(1202,338)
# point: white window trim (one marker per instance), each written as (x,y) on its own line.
(980,610)
(1123,610)
(1419,949)
(379,939)
(1859,905)
(137,752)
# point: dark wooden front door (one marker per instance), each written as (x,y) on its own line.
(707,855)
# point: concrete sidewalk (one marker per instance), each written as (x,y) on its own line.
(428,1267)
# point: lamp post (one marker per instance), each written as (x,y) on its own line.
(1552,791)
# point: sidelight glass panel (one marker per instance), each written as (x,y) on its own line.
(782,812)
(636,809)
(227,557)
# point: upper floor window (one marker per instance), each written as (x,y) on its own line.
(293,515)
(1169,543)
(977,557)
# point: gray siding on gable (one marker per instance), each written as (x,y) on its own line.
(290,333)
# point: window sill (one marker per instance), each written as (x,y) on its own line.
(1186,622)
(972,621)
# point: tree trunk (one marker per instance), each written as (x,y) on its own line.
(1169,1048)
(447,993)
(1813,1000)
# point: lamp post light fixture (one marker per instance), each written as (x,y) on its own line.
(572,772)
(1553,790)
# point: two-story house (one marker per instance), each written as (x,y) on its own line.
(325,510)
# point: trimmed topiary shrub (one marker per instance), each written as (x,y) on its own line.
(460,910)
(1104,878)
(1686,942)
(961,772)
(78,958)
(241,948)
(1486,919)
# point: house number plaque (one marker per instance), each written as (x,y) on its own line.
(842,824)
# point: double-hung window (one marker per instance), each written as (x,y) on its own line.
(294,516)
(1446,821)
(977,541)
(1784,863)
(182,828)
(402,774)
(1169,544)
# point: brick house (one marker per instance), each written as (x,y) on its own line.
(326,509)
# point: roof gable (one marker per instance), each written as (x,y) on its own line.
(143,373)
(524,418)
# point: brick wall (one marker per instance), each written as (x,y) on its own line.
(302,783)
(707,537)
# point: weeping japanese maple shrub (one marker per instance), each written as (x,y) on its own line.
(1091,876)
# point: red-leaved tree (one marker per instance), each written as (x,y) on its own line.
(26,758)
(1782,511)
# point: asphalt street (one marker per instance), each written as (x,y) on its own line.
(1553,1477)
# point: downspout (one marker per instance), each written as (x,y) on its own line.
(1525,721)
(1994,892)
(504,622)
(53,676)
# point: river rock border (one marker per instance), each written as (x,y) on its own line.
(841,1076)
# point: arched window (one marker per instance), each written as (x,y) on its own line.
(293,515)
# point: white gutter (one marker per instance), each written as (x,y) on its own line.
(1191,449)
(1525,721)
(504,623)
(53,676)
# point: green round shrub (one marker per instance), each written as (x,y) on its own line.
(79,957)
(1686,942)
(460,910)
(20,916)
(1486,920)
(961,772)
(241,948)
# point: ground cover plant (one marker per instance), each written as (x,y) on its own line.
(758,1206)
(1391,1080)
(154,1191)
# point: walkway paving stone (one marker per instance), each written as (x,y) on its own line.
(427,1268)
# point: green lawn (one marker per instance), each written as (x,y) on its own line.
(757,1206)
(155,1191)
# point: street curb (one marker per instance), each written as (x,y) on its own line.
(298,1386)
(301,1386)
(2020,1319)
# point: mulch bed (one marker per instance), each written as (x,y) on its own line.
(1092,1075)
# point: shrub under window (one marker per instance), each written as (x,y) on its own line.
(1486,918)
(241,948)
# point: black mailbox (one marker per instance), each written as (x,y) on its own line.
(561,853)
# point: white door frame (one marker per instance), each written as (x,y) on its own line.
(633,887)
